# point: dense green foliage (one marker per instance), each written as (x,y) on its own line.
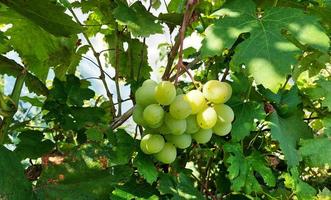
(61,138)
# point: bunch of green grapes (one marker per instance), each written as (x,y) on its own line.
(172,119)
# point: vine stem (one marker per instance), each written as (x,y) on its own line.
(118,90)
(99,65)
(190,5)
(15,97)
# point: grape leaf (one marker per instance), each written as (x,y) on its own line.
(13,184)
(316,152)
(180,187)
(11,68)
(47,14)
(266,53)
(244,123)
(288,131)
(83,174)
(132,64)
(38,49)
(94,134)
(321,91)
(139,21)
(241,170)
(134,190)
(123,149)
(145,167)
(32,145)
(327,125)
(302,189)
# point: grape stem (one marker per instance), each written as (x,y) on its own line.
(190,5)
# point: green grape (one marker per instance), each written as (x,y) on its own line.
(196,100)
(192,125)
(152,143)
(149,82)
(176,126)
(180,108)
(145,95)
(207,118)
(222,128)
(216,91)
(153,115)
(164,130)
(224,112)
(179,91)
(154,126)
(168,154)
(202,136)
(137,114)
(165,93)
(180,141)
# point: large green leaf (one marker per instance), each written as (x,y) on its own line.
(134,190)
(317,151)
(321,91)
(288,131)
(181,187)
(241,170)
(38,49)
(132,64)
(11,68)
(245,114)
(139,21)
(47,14)
(145,167)
(266,53)
(32,145)
(13,184)
(83,174)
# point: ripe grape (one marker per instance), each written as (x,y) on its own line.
(196,100)
(152,143)
(164,130)
(202,136)
(153,115)
(176,126)
(180,107)
(145,95)
(207,118)
(149,82)
(180,141)
(216,91)
(165,93)
(222,128)
(137,115)
(168,154)
(192,125)
(224,112)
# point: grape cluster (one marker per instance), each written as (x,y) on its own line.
(172,119)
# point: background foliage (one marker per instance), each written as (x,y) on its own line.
(68,142)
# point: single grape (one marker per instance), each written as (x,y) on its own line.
(192,125)
(222,128)
(202,136)
(196,100)
(216,91)
(145,95)
(176,126)
(180,141)
(207,118)
(164,130)
(168,154)
(153,115)
(152,143)
(149,82)
(180,107)
(165,93)
(137,115)
(224,112)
